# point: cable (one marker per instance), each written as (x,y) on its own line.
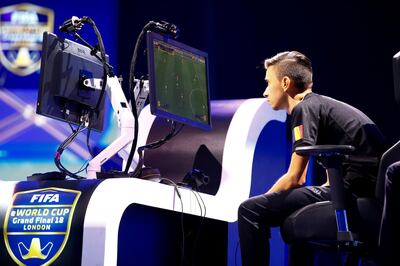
(154,145)
(196,240)
(70,126)
(176,189)
(205,209)
(83,167)
(106,70)
(132,94)
(198,202)
(62,147)
(203,215)
(162,27)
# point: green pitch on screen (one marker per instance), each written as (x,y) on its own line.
(181,83)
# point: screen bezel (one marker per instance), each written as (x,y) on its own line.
(47,102)
(151,37)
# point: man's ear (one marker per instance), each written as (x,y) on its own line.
(285,83)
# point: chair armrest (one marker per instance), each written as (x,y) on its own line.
(324,150)
(331,158)
(344,151)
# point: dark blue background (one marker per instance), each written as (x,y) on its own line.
(350,43)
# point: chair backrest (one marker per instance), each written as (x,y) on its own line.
(392,154)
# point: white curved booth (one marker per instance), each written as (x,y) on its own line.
(246,125)
(244,121)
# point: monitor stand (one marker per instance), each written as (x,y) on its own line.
(124,117)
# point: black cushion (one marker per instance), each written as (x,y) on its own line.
(317,222)
(312,222)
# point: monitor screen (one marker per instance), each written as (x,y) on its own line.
(178,81)
(62,95)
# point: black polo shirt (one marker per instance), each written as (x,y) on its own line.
(319,120)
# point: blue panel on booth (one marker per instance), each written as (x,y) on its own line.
(271,157)
(270,163)
(155,238)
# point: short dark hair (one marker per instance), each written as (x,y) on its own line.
(295,65)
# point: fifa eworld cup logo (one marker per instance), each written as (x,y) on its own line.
(21,35)
(37,225)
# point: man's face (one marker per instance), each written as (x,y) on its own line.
(274,92)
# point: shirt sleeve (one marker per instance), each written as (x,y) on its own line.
(304,124)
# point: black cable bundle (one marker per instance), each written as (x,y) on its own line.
(132,94)
(169,30)
(106,68)
(154,145)
(60,150)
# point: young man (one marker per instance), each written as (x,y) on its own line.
(315,120)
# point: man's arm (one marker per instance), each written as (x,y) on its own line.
(295,176)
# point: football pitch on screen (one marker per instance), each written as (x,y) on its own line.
(181,84)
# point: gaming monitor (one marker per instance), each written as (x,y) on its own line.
(178,81)
(62,95)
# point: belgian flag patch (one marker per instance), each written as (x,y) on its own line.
(298,132)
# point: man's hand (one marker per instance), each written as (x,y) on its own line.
(295,176)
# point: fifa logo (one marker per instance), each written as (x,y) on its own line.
(38,223)
(21,35)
